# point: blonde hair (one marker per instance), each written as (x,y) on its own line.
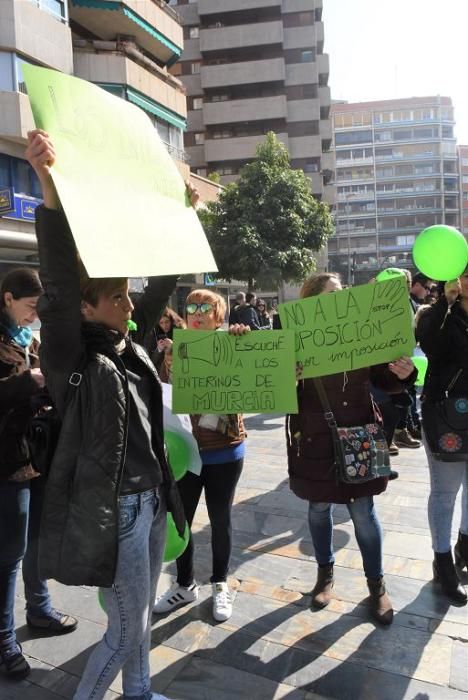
(315,284)
(206,296)
(421,310)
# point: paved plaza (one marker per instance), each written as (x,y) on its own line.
(273,646)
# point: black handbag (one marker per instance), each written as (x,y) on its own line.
(361,451)
(44,429)
(445,425)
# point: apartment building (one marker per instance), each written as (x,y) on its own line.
(396,174)
(463,170)
(253,66)
(126,48)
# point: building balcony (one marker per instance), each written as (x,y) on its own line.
(302,74)
(326,130)
(241,36)
(16,118)
(323,64)
(316,183)
(196,156)
(154,25)
(35,33)
(233,111)
(305,146)
(324,94)
(355,196)
(239,148)
(413,176)
(210,7)
(299,37)
(351,162)
(405,157)
(243,73)
(329,194)
(328,161)
(303,110)
(116,67)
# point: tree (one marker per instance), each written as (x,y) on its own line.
(268,224)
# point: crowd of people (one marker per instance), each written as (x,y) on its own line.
(101,507)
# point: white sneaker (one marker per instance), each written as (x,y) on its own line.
(175,597)
(222,602)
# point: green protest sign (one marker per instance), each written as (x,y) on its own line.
(123,196)
(357,327)
(218,373)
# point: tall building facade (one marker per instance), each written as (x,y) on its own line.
(253,66)
(463,170)
(396,174)
(126,48)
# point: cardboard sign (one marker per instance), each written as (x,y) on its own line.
(218,373)
(124,198)
(358,327)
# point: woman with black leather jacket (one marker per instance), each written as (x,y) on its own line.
(22,394)
(442,332)
(109,487)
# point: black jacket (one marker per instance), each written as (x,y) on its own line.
(246,314)
(443,336)
(19,400)
(79,529)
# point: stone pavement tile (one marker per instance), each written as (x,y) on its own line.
(205,680)
(165,665)
(408,595)
(459,669)
(345,637)
(44,683)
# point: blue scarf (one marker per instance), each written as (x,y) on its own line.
(21,335)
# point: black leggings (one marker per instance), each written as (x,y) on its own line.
(219,482)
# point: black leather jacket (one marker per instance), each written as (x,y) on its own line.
(79,530)
(443,337)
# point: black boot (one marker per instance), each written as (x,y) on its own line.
(446,574)
(321,595)
(461,552)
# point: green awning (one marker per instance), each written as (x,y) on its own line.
(155,108)
(134,17)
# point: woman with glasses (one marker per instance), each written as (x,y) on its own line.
(263,315)
(221,443)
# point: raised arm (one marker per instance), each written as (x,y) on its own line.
(59,306)
(149,307)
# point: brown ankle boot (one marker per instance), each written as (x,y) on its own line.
(381,605)
(321,594)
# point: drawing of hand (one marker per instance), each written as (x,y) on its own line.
(392,296)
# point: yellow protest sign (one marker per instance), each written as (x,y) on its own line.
(124,198)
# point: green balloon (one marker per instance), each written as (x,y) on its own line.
(179,453)
(100,598)
(421,365)
(175,544)
(389,274)
(441,252)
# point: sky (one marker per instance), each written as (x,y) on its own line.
(399,48)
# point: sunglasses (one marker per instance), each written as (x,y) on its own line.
(204,308)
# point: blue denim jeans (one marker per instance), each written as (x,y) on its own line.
(366,528)
(20,514)
(446,480)
(129,603)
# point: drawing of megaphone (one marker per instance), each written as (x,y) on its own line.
(212,348)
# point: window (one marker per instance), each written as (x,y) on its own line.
(58,8)
(465,194)
(219,98)
(465,162)
(195,68)
(197,102)
(307,57)
(194,32)
(201,172)
(405,240)
(5,176)
(465,179)
(199,138)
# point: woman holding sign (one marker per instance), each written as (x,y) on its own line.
(311,462)
(221,443)
(442,332)
(109,487)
